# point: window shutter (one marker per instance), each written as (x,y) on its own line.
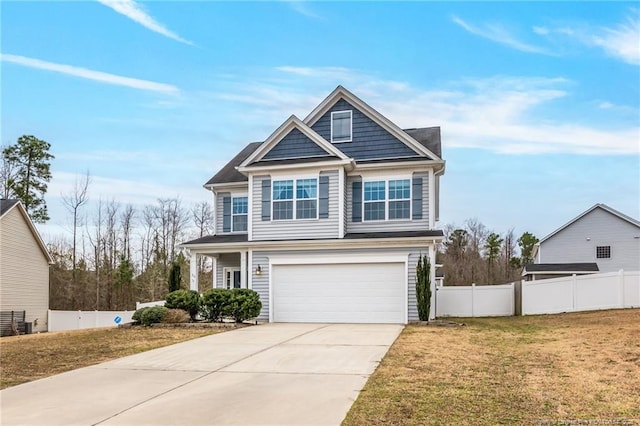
(356,201)
(226,214)
(416,198)
(266,199)
(323,199)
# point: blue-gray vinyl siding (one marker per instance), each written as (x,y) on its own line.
(295,145)
(299,229)
(578,242)
(389,225)
(260,283)
(369,140)
(219,212)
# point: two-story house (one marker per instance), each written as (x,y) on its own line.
(327,217)
(601,239)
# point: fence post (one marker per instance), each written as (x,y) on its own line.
(79,319)
(621,288)
(573,293)
(473,290)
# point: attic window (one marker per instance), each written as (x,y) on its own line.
(341,126)
(603,252)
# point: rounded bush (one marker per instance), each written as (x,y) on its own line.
(137,315)
(153,315)
(243,305)
(213,303)
(187,300)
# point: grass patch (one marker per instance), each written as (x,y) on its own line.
(35,356)
(553,369)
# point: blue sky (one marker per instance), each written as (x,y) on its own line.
(539,103)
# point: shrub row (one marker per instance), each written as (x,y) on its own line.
(239,304)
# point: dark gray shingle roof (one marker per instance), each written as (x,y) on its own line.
(429,137)
(229,173)
(220,239)
(562,267)
(6,204)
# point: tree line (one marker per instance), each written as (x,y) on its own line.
(473,254)
(118,253)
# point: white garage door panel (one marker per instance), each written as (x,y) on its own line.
(361,292)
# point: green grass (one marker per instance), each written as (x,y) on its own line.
(503,371)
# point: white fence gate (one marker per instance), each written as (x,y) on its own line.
(611,290)
(77,320)
(475,301)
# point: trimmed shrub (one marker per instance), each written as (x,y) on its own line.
(153,315)
(243,305)
(137,315)
(213,303)
(187,300)
(176,316)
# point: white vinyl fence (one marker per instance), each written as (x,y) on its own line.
(475,301)
(611,290)
(77,320)
(149,304)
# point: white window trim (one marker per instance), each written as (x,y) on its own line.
(387,200)
(350,126)
(243,214)
(225,271)
(295,198)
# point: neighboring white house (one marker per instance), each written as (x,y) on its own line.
(326,218)
(599,240)
(24,265)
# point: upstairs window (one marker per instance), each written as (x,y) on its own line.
(374,200)
(299,204)
(399,199)
(282,199)
(387,200)
(239,210)
(603,252)
(341,126)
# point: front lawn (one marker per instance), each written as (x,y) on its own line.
(34,356)
(580,368)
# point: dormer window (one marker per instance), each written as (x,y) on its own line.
(341,126)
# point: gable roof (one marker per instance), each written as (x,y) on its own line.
(429,137)
(285,128)
(597,206)
(341,93)
(6,205)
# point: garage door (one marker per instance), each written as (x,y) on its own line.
(348,292)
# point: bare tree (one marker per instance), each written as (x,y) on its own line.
(126,221)
(8,171)
(202,214)
(76,198)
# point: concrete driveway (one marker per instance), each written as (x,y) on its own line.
(272,374)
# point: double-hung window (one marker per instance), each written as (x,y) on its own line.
(341,126)
(399,199)
(299,204)
(387,200)
(239,209)
(374,200)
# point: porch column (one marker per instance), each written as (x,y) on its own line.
(214,271)
(243,269)
(193,271)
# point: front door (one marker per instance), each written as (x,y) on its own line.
(231,278)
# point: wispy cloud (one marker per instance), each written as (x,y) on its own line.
(135,11)
(620,41)
(302,7)
(88,74)
(506,114)
(499,34)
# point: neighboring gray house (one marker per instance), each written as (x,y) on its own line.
(327,217)
(24,265)
(599,240)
